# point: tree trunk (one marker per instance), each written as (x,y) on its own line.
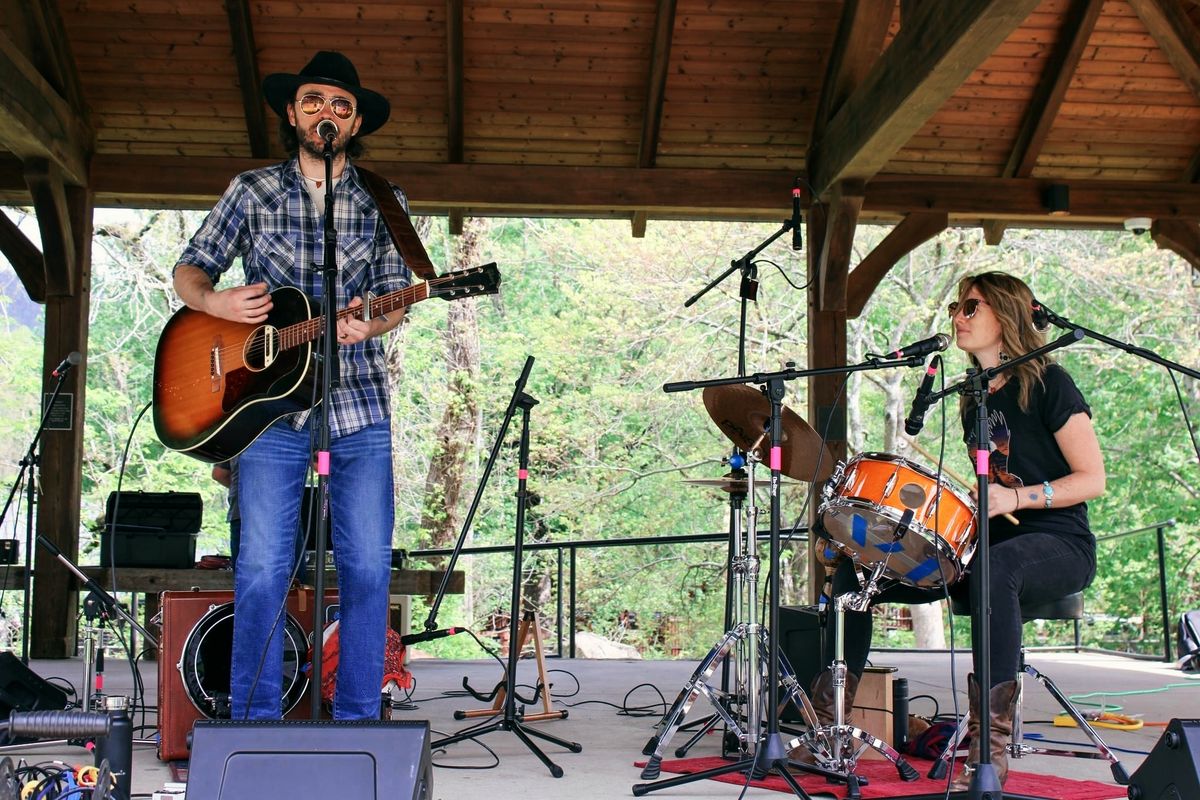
(442,513)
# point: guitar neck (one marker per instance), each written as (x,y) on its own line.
(310,329)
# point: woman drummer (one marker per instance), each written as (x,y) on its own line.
(1045,465)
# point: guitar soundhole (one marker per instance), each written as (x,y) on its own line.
(262,348)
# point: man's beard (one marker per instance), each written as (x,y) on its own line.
(317,149)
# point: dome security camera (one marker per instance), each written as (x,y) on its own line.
(1138,225)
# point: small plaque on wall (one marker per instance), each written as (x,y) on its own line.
(59,418)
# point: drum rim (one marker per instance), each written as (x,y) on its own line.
(291,627)
(941,478)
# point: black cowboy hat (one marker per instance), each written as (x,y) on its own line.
(330,69)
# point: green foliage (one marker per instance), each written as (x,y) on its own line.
(603,315)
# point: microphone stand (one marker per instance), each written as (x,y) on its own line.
(985,785)
(748,292)
(328,359)
(1140,352)
(509,719)
(771,754)
(30,459)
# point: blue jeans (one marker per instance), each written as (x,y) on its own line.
(270,484)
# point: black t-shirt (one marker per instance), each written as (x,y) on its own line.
(1025,453)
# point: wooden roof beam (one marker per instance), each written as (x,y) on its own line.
(35,121)
(455,126)
(245,54)
(656,91)
(856,47)
(833,266)
(1169,25)
(1180,237)
(37,30)
(913,231)
(934,52)
(46,184)
(25,258)
(1192,173)
(433,188)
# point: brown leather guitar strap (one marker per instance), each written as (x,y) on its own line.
(404,236)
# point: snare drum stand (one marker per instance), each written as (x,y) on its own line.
(834,746)
(748,641)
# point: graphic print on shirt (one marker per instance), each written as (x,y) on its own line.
(1001,450)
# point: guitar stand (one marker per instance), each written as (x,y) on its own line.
(529,623)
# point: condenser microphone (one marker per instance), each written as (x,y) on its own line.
(934,344)
(425,636)
(920,404)
(327,130)
(72,360)
(797,240)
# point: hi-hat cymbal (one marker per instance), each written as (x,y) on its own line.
(742,414)
(731,485)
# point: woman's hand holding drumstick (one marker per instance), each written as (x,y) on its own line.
(964,481)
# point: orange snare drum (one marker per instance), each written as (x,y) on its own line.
(863,504)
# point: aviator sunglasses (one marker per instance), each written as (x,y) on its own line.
(312,104)
(968,307)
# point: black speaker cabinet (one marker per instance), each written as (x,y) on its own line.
(22,690)
(364,760)
(1170,771)
(800,636)
(196,647)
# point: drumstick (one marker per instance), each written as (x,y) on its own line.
(916,446)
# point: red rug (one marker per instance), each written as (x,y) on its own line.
(886,783)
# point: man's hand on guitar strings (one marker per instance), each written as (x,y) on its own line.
(240,303)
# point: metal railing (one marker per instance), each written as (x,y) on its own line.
(570,552)
(1160,533)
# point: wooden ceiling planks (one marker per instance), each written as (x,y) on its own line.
(566,83)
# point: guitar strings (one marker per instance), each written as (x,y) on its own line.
(309,329)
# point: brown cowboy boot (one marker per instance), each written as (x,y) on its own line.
(822,696)
(1002,703)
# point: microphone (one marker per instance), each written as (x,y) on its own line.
(73,358)
(327,130)
(425,636)
(920,404)
(934,344)
(797,241)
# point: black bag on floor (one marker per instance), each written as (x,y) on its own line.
(1189,641)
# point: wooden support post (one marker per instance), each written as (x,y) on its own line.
(55,591)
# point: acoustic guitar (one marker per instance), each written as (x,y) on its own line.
(219,384)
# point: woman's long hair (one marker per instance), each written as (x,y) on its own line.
(1012,303)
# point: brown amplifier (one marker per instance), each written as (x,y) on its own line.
(196,648)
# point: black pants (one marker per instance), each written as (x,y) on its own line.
(1030,567)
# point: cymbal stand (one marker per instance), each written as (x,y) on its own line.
(837,747)
(747,641)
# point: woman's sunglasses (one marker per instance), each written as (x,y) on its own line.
(312,104)
(968,307)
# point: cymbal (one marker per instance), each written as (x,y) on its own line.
(731,485)
(742,413)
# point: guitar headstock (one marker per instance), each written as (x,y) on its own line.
(466,282)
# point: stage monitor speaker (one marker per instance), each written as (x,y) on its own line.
(23,690)
(1172,770)
(364,760)
(196,648)
(800,641)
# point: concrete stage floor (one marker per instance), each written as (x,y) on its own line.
(612,741)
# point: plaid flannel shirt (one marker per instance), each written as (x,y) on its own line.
(267,218)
